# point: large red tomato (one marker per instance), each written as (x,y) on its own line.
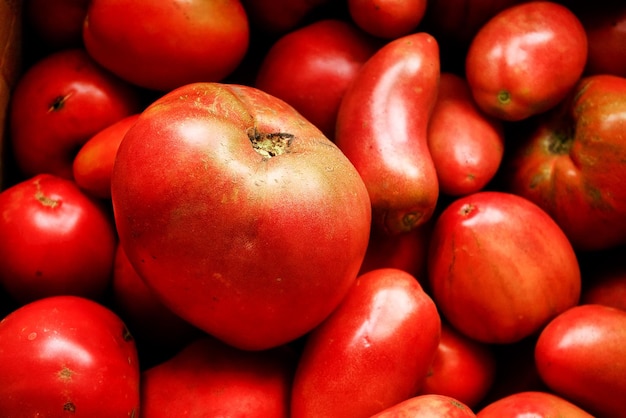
(525,59)
(580,355)
(239,213)
(58,104)
(389,19)
(67,356)
(164,44)
(500,268)
(428,406)
(55,240)
(532,404)
(572,164)
(606,36)
(371,353)
(311,67)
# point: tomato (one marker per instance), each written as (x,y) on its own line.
(58,104)
(389,19)
(204,40)
(58,24)
(466,145)
(526,59)
(93,164)
(382,127)
(210,379)
(500,268)
(67,356)
(311,67)
(463,369)
(606,35)
(372,352)
(580,355)
(428,406)
(535,404)
(572,164)
(261,219)
(55,240)
(607,287)
(280,16)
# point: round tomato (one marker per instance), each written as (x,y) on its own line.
(428,406)
(532,404)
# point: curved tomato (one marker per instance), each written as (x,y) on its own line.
(58,24)
(210,379)
(55,240)
(606,35)
(372,352)
(67,356)
(280,16)
(463,369)
(261,219)
(389,19)
(500,268)
(93,163)
(466,145)
(572,164)
(60,102)
(311,67)
(526,59)
(580,355)
(532,404)
(382,127)
(607,286)
(428,406)
(203,40)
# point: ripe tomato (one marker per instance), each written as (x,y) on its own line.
(58,24)
(389,19)
(372,352)
(428,406)
(67,356)
(532,404)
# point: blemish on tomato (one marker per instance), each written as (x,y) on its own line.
(466,209)
(65,374)
(69,407)
(58,103)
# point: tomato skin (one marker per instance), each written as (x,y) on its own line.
(525,59)
(572,164)
(299,220)
(428,406)
(482,246)
(607,287)
(210,379)
(535,404)
(606,35)
(280,16)
(125,37)
(58,24)
(93,163)
(382,127)
(388,19)
(463,369)
(67,356)
(373,350)
(580,355)
(55,240)
(466,145)
(311,67)
(58,104)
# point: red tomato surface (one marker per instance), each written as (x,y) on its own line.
(606,35)
(67,356)
(580,355)
(428,406)
(164,44)
(372,352)
(58,24)
(389,19)
(532,404)
(500,268)
(525,59)
(55,240)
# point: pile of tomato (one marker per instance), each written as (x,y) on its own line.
(308,208)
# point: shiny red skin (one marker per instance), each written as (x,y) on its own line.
(158,332)
(580,355)
(241,231)
(204,40)
(55,240)
(465,144)
(387,19)
(382,127)
(67,356)
(210,379)
(532,404)
(59,23)
(280,16)
(500,268)
(58,104)
(372,352)
(428,406)
(606,35)
(311,67)
(526,59)
(572,164)
(463,369)
(93,164)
